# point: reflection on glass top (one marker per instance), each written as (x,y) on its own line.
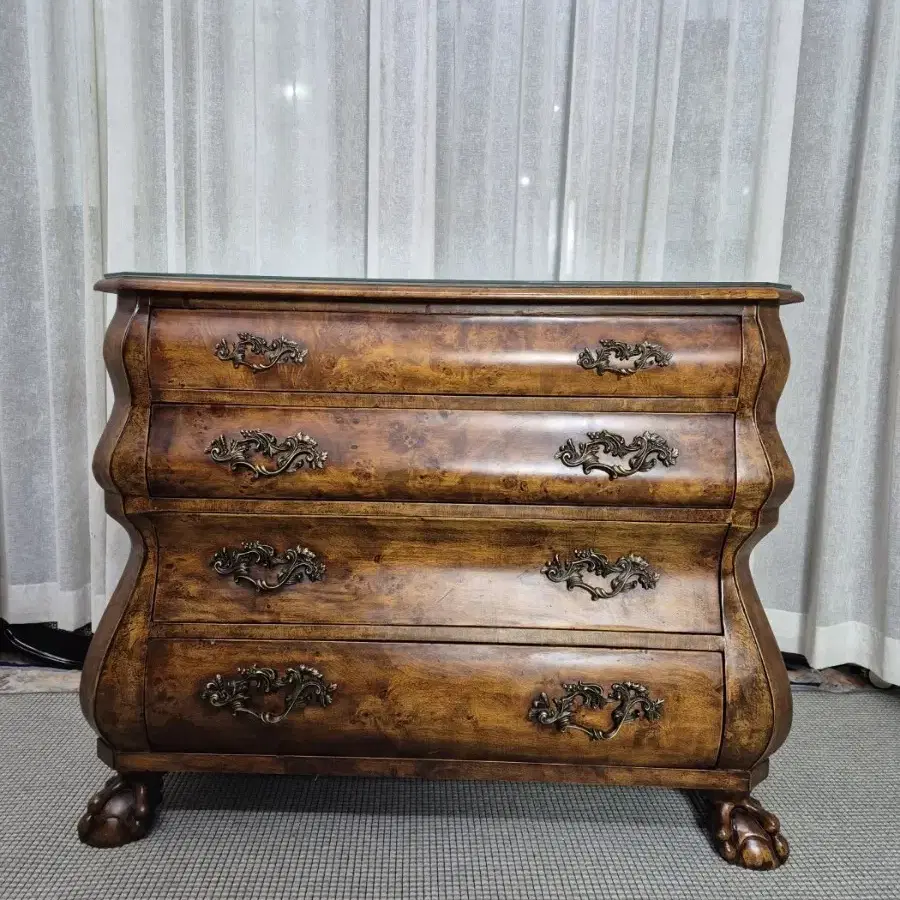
(427,281)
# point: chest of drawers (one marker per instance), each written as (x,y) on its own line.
(448,530)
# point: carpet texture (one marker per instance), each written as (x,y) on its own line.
(836,787)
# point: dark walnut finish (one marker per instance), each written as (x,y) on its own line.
(419,353)
(445,530)
(419,455)
(122,810)
(446,701)
(430,571)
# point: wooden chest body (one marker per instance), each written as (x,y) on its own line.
(475,530)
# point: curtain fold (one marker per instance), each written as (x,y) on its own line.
(832,579)
(52,384)
(597,140)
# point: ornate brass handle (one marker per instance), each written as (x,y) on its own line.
(278,350)
(633,701)
(290,454)
(627,573)
(620,358)
(296,564)
(305,686)
(647,449)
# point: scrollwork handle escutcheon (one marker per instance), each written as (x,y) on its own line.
(626,573)
(633,703)
(278,350)
(289,454)
(621,358)
(645,450)
(292,566)
(305,686)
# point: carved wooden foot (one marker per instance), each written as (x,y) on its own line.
(121,811)
(747,834)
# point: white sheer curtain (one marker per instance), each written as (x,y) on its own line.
(831,577)
(663,139)
(52,384)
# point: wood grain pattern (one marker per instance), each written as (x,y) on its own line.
(454,456)
(432,700)
(446,354)
(773,382)
(441,407)
(440,572)
(112,682)
(758,707)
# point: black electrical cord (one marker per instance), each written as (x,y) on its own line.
(46,645)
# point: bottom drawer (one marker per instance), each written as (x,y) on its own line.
(452,701)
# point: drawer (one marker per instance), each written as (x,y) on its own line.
(453,701)
(410,353)
(417,571)
(442,455)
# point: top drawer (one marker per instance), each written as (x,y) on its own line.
(420,353)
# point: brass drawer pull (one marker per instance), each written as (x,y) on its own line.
(633,700)
(304,684)
(648,448)
(278,350)
(620,358)
(296,564)
(626,573)
(290,454)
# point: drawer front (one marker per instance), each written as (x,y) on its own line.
(442,455)
(593,356)
(454,701)
(460,572)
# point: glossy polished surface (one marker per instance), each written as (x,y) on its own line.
(436,700)
(440,572)
(448,354)
(504,562)
(449,455)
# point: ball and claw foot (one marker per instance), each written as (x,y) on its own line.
(746,834)
(121,811)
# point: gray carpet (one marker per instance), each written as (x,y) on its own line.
(836,786)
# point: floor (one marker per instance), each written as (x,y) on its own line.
(34,679)
(835,785)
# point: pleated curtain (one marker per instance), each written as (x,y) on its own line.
(524,139)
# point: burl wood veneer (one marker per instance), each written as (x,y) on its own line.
(447,530)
